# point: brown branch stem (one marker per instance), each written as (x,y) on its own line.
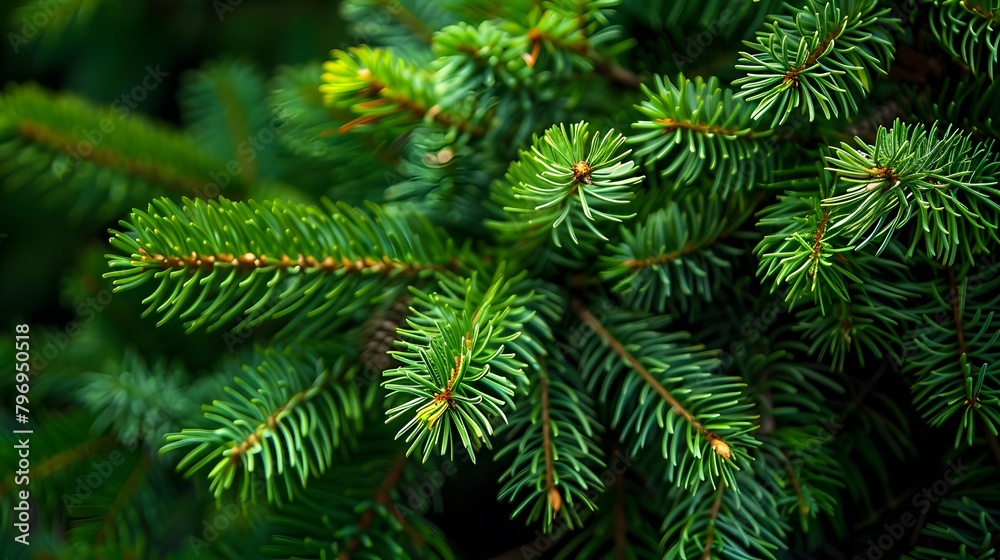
(617,74)
(672,125)
(110,158)
(792,75)
(555,500)
(817,247)
(249,261)
(803,506)
(707,554)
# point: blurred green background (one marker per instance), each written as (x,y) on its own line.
(105,56)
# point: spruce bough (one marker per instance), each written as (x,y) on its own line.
(583,253)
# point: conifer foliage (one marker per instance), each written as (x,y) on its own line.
(702,305)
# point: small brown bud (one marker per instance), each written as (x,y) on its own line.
(721,448)
(555,499)
(581,173)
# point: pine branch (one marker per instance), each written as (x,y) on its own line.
(810,465)
(956,311)
(515,71)
(966,520)
(678,250)
(822,55)
(354,511)
(484,56)
(796,463)
(588,318)
(61,19)
(443,273)
(800,498)
(867,323)
(621,526)
(342,166)
(554,459)
(716,523)
(955,363)
(806,254)
(947,183)
(971,104)
(968,30)
(575,30)
(224,105)
(554,498)
(704,133)
(382,498)
(70,457)
(292,414)
(213,261)
(412,22)
(75,151)
(53,140)
(562,182)
(114,515)
(387,91)
(795,392)
(715,448)
(137,401)
(63,459)
(454,369)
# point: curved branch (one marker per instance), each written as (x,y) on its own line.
(382,497)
